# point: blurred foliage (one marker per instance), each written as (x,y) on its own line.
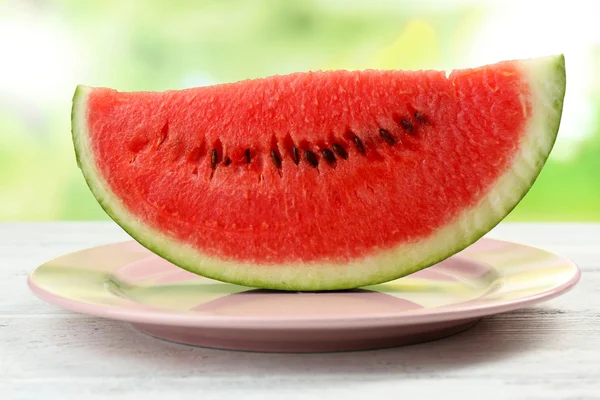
(159,45)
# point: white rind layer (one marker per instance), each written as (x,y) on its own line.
(546,77)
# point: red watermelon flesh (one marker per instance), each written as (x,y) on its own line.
(320,180)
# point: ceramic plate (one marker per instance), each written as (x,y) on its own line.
(125,281)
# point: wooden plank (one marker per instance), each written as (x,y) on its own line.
(548,351)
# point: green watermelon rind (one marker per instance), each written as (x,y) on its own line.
(547,80)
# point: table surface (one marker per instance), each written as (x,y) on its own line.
(548,351)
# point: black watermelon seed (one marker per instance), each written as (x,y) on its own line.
(276,159)
(407,125)
(422,119)
(296,155)
(227,161)
(213,158)
(359,144)
(386,135)
(247,153)
(311,158)
(339,150)
(328,156)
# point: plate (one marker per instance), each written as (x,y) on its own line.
(125,281)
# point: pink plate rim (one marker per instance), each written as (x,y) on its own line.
(411,317)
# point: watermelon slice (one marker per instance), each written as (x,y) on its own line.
(320,180)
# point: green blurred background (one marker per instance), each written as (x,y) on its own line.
(47,47)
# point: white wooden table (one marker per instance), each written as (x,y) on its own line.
(547,352)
